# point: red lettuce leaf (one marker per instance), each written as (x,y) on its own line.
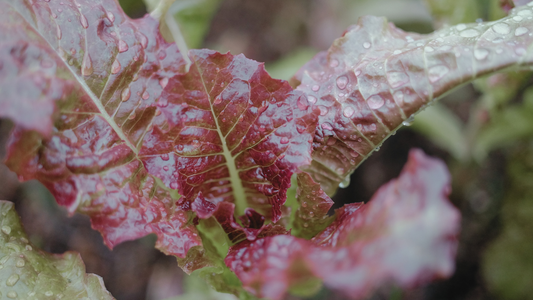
(377,76)
(229,132)
(406,235)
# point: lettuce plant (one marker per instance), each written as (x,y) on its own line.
(231,169)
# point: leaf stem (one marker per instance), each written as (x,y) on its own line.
(178,38)
(161,9)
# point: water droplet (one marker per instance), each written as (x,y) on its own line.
(333,63)
(125,95)
(525,12)
(354,154)
(302,103)
(164,157)
(59,10)
(501,28)
(145,95)
(435,73)
(218,100)
(520,31)
(306,225)
(397,52)
(409,121)
(58,32)
(366,45)
(110,16)
(174,185)
(122,46)
(284,140)
(348,111)
(6,229)
(375,102)
(315,88)
(86,65)
(520,51)
(12,280)
(115,68)
(517,18)
(429,49)
(143,40)
(12,294)
(342,81)
(48,293)
(460,27)
(345,183)
(29,248)
(165,168)
(163,82)
(83,21)
(481,54)
(357,72)
(469,33)
(323,110)
(20,263)
(162,54)
(326,126)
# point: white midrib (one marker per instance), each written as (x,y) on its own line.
(236,183)
(93,97)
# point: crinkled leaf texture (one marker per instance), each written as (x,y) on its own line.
(377,76)
(406,235)
(132,130)
(32,274)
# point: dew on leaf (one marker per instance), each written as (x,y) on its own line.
(342,81)
(143,40)
(517,18)
(520,51)
(12,280)
(323,110)
(481,54)
(409,121)
(58,32)
(162,54)
(375,102)
(6,229)
(125,95)
(163,82)
(86,65)
(354,154)
(284,140)
(435,73)
(460,27)
(326,126)
(48,293)
(218,100)
(333,63)
(315,88)
(83,21)
(429,49)
(501,28)
(20,263)
(12,294)
(110,16)
(520,31)
(145,95)
(174,185)
(525,13)
(348,111)
(345,183)
(122,46)
(311,99)
(469,33)
(165,157)
(115,68)
(366,45)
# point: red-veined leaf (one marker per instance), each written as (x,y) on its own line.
(377,76)
(229,132)
(407,235)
